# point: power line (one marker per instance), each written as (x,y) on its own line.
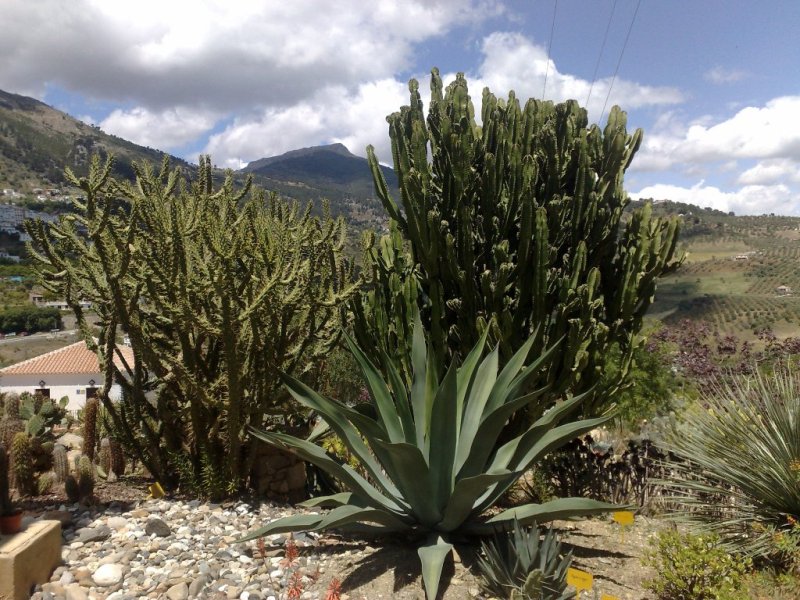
(549,47)
(602,49)
(622,52)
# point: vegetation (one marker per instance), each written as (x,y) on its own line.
(30,319)
(517,561)
(737,468)
(515,226)
(694,567)
(218,291)
(428,450)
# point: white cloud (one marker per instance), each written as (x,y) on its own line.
(721,75)
(165,130)
(771,131)
(511,61)
(771,171)
(749,200)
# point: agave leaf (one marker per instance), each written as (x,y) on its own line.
(400,399)
(467,374)
(432,555)
(479,393)
(331,501)
(284,525)
(528,514)
(442,440)
(425,380)
(411,472)
(317,456)
(465,495)
(387,413)
(341,418)
(344,515)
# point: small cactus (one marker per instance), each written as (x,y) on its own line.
(22,459)
(90,427)
(85,478)
(60,463)
(5,488)
(71,489)
(104,456)
(12,406)
(9,427)
(45,483)
(117,458)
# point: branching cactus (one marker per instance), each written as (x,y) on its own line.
(516,225)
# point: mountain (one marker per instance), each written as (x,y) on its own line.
(331,172)
(38,141)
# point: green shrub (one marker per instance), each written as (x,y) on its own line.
(693,567)
(736,465)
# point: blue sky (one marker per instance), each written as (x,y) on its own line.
(715,85)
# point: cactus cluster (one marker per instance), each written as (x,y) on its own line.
(79,485)
(517,226)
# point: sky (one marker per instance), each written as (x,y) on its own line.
(714,84)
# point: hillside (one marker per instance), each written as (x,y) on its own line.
(38,141)
(742,273)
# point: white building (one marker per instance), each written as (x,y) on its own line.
(72,371)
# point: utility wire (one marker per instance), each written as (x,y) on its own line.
(622,52)
(549,47)
(602,49)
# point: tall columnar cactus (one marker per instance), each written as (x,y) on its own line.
(60,463)
(71,489)
(90,427)
(517,225)
(104,456)
(22,465)
(217,289)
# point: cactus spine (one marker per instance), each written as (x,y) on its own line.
(22,465)
(90,427)
(60,463)
(515,225)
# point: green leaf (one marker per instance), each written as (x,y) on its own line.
(465,495)
(284,525)
(432,555)
(563,508)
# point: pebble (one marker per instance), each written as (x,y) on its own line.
(108,575)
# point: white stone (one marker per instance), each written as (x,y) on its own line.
(108,575)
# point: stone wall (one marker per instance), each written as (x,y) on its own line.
(278,475)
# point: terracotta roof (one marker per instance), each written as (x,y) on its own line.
(73,359)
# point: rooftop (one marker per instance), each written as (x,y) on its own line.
(73,359)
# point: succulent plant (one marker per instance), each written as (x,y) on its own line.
(71,489)
(44,483)
(429,451)
(6,507)
(117,458)
(85,478)
(22,464)
(104,456)
(518,562)
(90,427)
(60,463)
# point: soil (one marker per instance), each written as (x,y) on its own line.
(390,568)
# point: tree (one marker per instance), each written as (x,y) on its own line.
(517,225)
(217,290)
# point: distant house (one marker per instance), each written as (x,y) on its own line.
(783,290)
(739,257)
(72,371)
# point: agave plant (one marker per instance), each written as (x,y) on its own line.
(736,469)
(516,562)
(431,451)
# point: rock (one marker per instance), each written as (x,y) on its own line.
(66,578)
(156,526)
(117,522)
(75,592)
(108,575)
(197,586)
(70,441)
(62,516)
(93,534)
(233,592)
(179,591)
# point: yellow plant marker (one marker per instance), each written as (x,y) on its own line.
(580,580)
(625,519)
(608,597)
(156,491)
